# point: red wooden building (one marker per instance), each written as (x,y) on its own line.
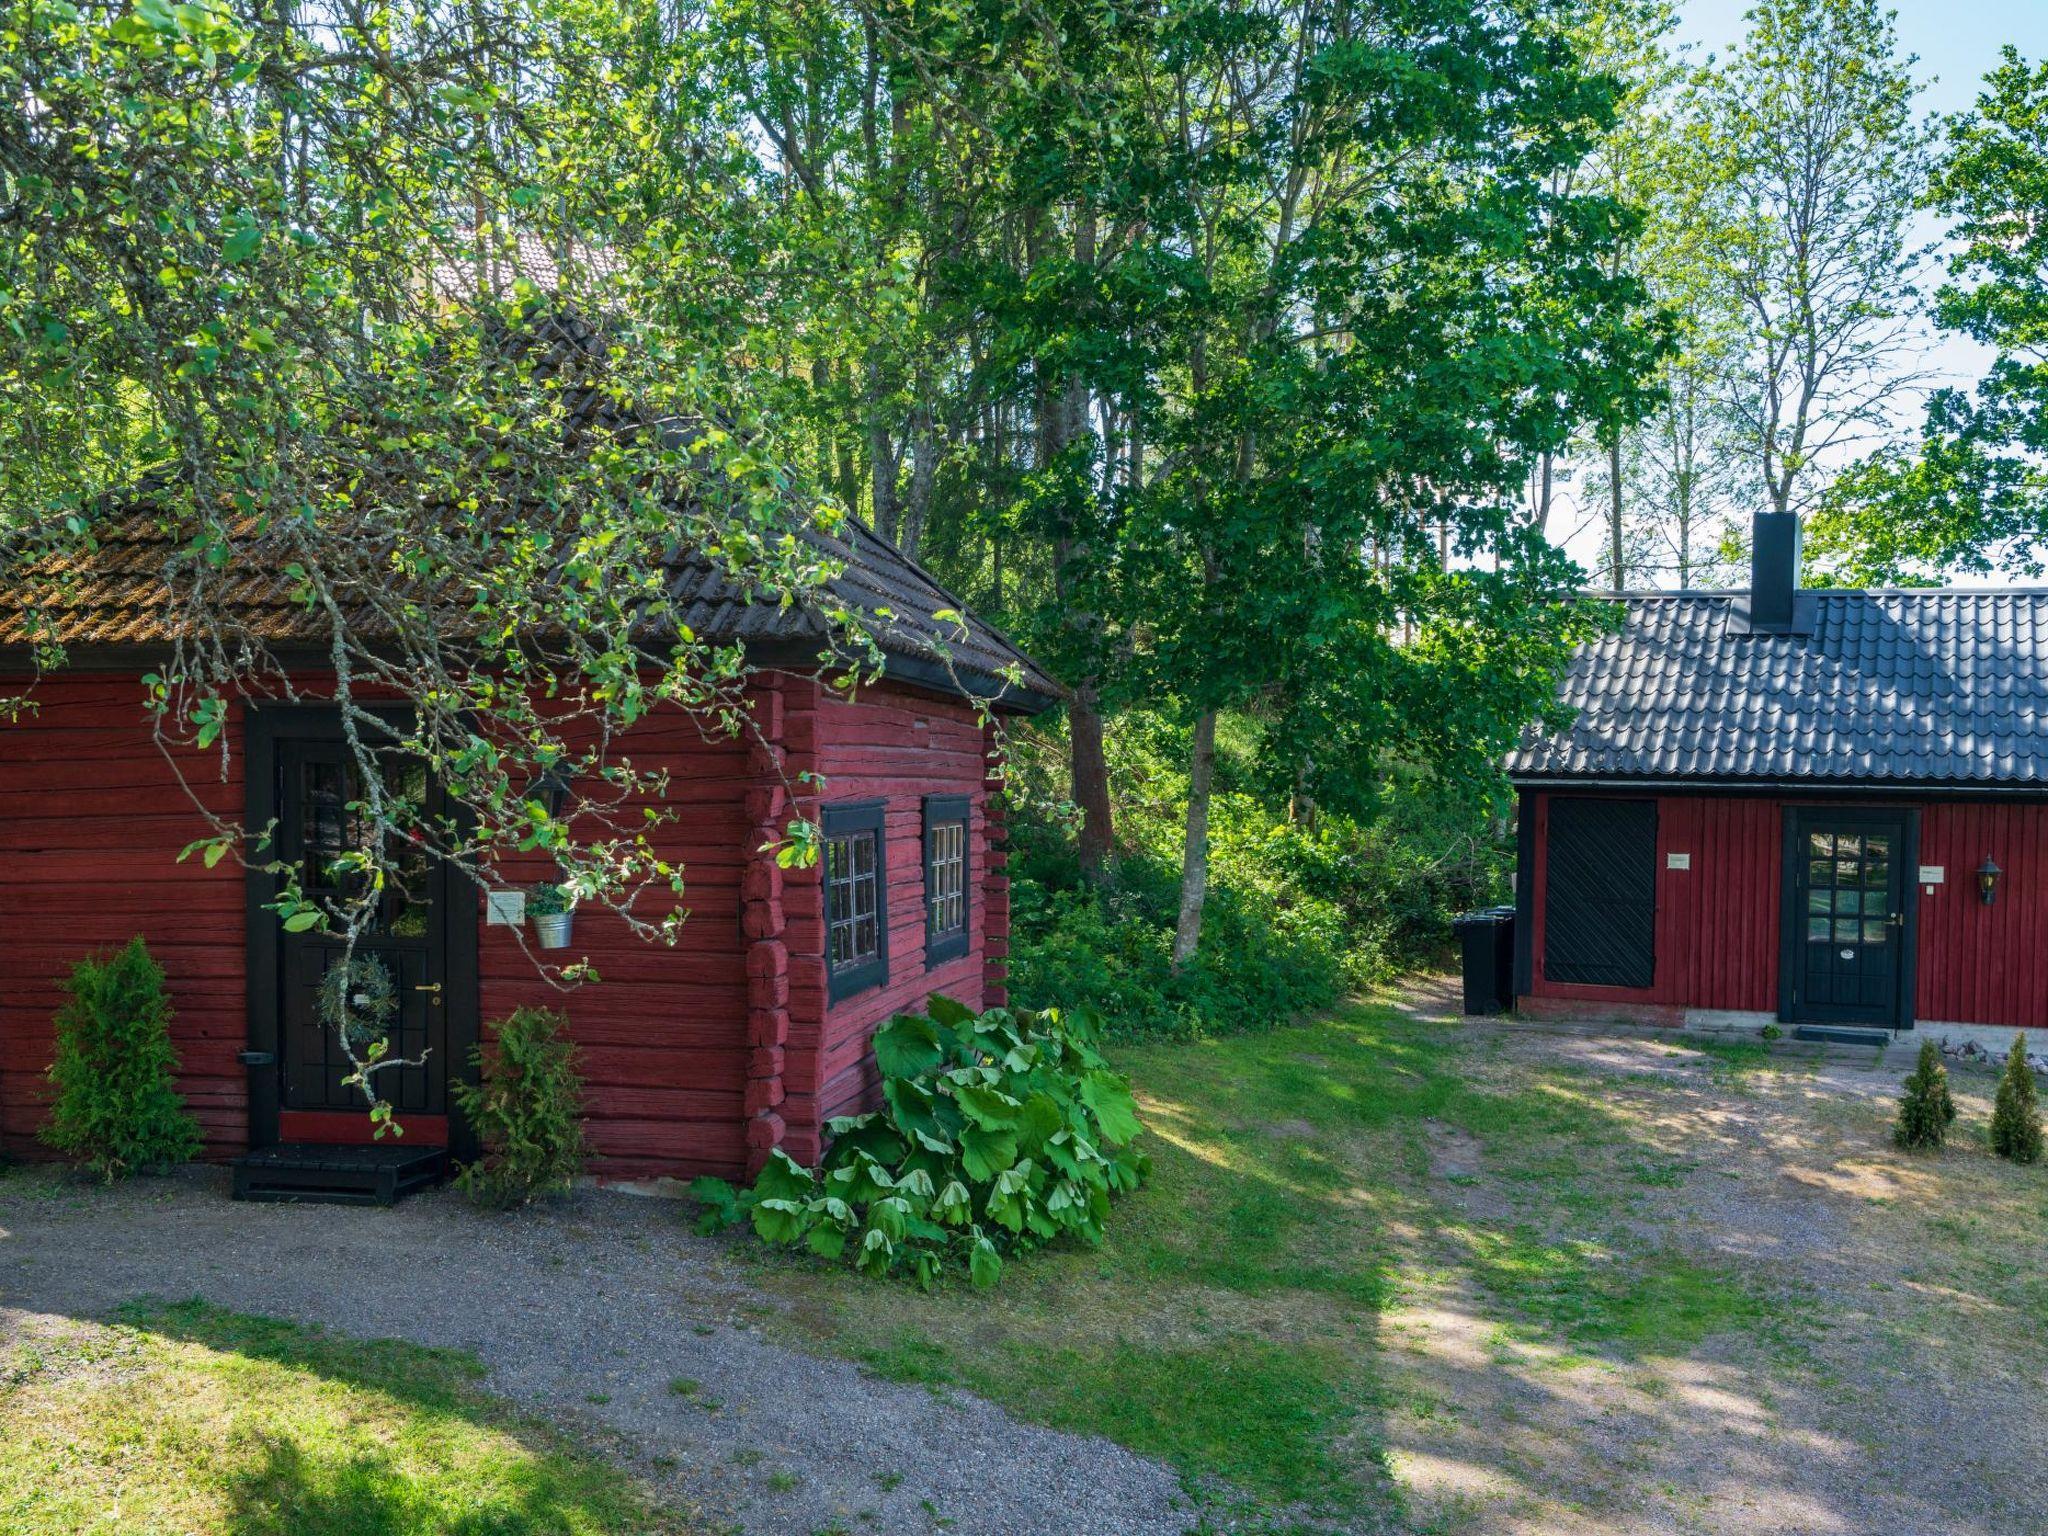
(1826,808)
(748,1035)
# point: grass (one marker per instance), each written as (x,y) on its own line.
(189,1419)
(1233,1323)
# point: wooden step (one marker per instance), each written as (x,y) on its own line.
(330,1175)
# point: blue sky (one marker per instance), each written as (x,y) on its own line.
(1957,42)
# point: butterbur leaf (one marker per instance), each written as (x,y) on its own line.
(827,1241)
(890,1216)
(783,1178)
(985,1265)
(875,1252)
(954,1204)
(1039,1120)
(720,1204)
(989,1108)
(984,1154)
(1109,1097)
(906,1046)
(947,1012)
(778,1221)
(916,1186)
(868,1136)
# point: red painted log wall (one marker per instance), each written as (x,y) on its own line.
(662,1032)
(92,818)
(900,745)
(1717,922)
(677,1044)
(1979,964)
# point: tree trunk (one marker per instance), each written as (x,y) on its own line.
(924,473)
(1194,867)
(1619,567)
(1089,772)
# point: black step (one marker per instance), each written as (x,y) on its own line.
(1828,1035)
(327,1175)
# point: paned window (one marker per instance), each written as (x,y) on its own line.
(856,888)
(945,878)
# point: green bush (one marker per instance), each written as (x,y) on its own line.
(1299,913)
(527,1111)
(114,1109)
(2016,1117)
(1002,1131)
(1927,1109)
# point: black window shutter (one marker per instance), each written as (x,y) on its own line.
(1600,892)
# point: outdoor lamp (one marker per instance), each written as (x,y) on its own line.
(550,789)
(1987,880)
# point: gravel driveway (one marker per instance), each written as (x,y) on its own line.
(589,1312)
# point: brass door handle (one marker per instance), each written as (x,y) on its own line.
(431,986)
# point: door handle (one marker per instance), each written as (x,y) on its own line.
(433,988)
(1895,920)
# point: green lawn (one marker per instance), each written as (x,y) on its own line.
(190,1420)
(1308,1181)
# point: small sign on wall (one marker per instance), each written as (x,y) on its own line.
(505,909)
(1933,874)
(1678,861)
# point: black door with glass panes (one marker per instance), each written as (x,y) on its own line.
(420,939)
(1848,921)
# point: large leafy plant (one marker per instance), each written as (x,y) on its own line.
(1001,1131)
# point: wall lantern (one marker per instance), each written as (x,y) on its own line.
(1987,880)
(550,790)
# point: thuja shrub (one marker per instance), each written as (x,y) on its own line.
(527,1110)
(2016,1116)
(1002,1131)
(114,1108)
(1927,1109)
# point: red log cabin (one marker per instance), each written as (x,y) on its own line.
(749,1034)
(1827,809)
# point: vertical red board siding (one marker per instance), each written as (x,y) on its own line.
(897,745)
(92,819)
(1717,921)
(1981,964)
(662,1031)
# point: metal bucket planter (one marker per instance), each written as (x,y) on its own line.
(551,930)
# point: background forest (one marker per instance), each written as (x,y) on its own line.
(1252,364)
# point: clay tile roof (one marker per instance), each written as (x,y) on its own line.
(123,594)
(1906,687)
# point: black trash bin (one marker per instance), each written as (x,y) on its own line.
(1488,939)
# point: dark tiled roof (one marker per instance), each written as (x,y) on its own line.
(124,593)
(1908,687)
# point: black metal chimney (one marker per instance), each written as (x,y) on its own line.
(1773,571)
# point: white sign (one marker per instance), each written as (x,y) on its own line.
(505,909)
(1678,861)
(1932,874)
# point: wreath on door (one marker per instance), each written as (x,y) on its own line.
(358,1000)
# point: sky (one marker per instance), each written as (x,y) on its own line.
(1958,42)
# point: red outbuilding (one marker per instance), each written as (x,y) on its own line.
(1823,808)
(749,1034)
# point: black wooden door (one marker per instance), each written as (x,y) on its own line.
(1847,926)
(318,814)
(1600,892)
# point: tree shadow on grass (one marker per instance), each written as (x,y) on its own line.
(291,1431)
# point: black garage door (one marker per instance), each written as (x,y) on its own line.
(1600,892)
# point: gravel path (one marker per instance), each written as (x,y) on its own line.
(589,1312)
(1875,1397)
